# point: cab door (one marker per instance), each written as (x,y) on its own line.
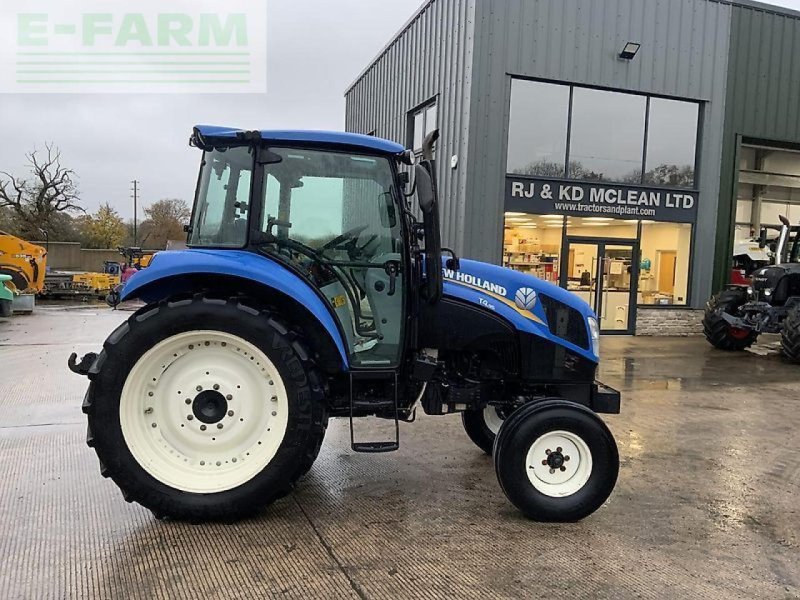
(333,217)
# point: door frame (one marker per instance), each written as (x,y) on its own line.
(601,243)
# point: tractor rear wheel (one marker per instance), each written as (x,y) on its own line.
(790,336)
(205,409)
(556,460)
(718,331)
(482,426)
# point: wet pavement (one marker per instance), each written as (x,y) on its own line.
(707,504)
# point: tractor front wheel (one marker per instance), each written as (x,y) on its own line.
(205,409)
(482,426)
(556,460)
(718,331)
(790,336)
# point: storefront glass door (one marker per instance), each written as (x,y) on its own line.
(604,274)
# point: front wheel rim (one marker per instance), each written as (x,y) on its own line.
(204,411)
(558,463)
(492,419)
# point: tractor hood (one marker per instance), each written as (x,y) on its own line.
(529,303)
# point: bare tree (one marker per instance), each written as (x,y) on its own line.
(47,193)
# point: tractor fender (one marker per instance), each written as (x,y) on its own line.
(169,271)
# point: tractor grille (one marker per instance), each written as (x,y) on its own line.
(565,322)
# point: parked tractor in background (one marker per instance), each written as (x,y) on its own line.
(769,303)
(305,294)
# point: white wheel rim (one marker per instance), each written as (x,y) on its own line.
(492,419)
(558,464)
(168,437)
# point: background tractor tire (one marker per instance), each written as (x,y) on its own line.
(790,336)
(718,331)
(482,426)
(238,477)
(584,455)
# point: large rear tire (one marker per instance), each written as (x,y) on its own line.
(790,336)
(718,331)
(204,409)
(556,460)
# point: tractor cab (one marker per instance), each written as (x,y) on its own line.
(334,216)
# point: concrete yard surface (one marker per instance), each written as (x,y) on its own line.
(707,504)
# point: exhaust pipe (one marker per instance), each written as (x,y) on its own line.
(782,240)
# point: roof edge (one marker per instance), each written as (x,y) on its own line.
(761,6)
(392,41)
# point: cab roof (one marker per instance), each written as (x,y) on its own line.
(213,134)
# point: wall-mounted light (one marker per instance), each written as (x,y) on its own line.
(629,51)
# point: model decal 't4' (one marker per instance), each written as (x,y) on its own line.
(460,277)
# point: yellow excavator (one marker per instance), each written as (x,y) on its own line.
(24,262)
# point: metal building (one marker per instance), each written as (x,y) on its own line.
(619,148)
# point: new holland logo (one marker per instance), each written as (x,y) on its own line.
(525,298)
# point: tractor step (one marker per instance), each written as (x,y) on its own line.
(368,377)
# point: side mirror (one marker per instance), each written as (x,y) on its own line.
(425,193)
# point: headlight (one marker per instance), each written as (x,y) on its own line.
(594,332)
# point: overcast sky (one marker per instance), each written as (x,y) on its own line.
(315,50)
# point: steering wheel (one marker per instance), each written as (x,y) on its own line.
(347,241)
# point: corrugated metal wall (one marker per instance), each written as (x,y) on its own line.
(683,55)
(432,57)
(763,100)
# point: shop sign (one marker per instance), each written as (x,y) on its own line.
(597,199)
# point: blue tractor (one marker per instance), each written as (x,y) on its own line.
(315,287)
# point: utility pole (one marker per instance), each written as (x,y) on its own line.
(135,193)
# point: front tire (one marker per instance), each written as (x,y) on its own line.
(556,461)
(718,331)
(482,426)
(204,409)
(790,336)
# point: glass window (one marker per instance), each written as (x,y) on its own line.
(671,143)
(537,134)
(220,217)
(664,272)
(607,141)
(604,227)
(423,122)
(532,244)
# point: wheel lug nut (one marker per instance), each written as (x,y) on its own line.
(216,386)
(274,398)
(552,471)
(558,449)
(202,427)
(547,452)
(230,413)
(274,413)
(150,394)
(219,425)
(154,425)
(199,388)
(544,462)
(148,410)
(228,397)
(188,401)
(202,463)
(189,417)
(566,458)
(563,469)
(233,460)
